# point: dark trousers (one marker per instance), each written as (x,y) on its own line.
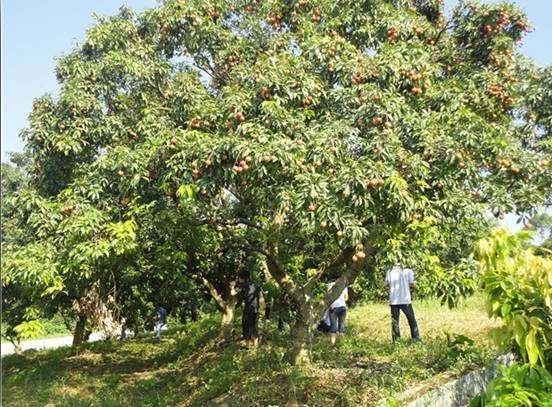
(249,324)
(409,312)
(337,319)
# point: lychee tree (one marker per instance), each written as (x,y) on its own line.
(334,133)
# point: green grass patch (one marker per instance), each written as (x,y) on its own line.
(189,368)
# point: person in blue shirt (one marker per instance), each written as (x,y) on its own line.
(161,321)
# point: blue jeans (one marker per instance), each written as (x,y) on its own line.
(337,319)
(158,327)
(409,312)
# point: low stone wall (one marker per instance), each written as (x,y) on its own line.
(459,392)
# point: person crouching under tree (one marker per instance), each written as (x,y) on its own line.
(249,294)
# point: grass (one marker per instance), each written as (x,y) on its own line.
(188,368)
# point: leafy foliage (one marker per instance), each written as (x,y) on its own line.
(519,385)
(518,285)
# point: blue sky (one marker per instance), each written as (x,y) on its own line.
(35,32)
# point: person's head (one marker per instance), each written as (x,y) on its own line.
(243,276)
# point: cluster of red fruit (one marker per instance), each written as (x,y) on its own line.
(68,210)
(378,150)
(265,93)
(543,164)
(231,61)
(392,34)
(315,15)
(172,143)
(375,183)
(498,91)
(308,101)
(265,159)
(212,12)
(132,133)
(196,122)
(358,78)
(359,256)
(239,117)
(243,165)
(274,20)
(506,164)
(165,28)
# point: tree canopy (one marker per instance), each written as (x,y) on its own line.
(327,138)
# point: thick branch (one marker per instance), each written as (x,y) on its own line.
(219,301)
(337,262)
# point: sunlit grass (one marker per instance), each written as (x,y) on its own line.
(188,368)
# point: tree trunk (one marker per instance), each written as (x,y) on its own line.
(300,354)
(78,337)
(16,342)
(301,334)
(227,321)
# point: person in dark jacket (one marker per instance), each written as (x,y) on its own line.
(249,295)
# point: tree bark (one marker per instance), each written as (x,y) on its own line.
(302,334)
(78,337)
(16,342)
(300,353)
(227,321)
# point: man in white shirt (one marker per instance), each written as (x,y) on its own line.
(400,280)
(338,311)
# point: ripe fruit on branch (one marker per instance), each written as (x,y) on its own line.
(376,121)
(67,210)
(239,117)
(332,149)
(308,101)
(358,78)
(417,91)
(212,12)
(125,201)
(392,33)
(487,29)
(165,28)
(312,207)
(515,169)
(323,225)
(360,255)
(196,173)
(265,93)
(196,122)
(120,173)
